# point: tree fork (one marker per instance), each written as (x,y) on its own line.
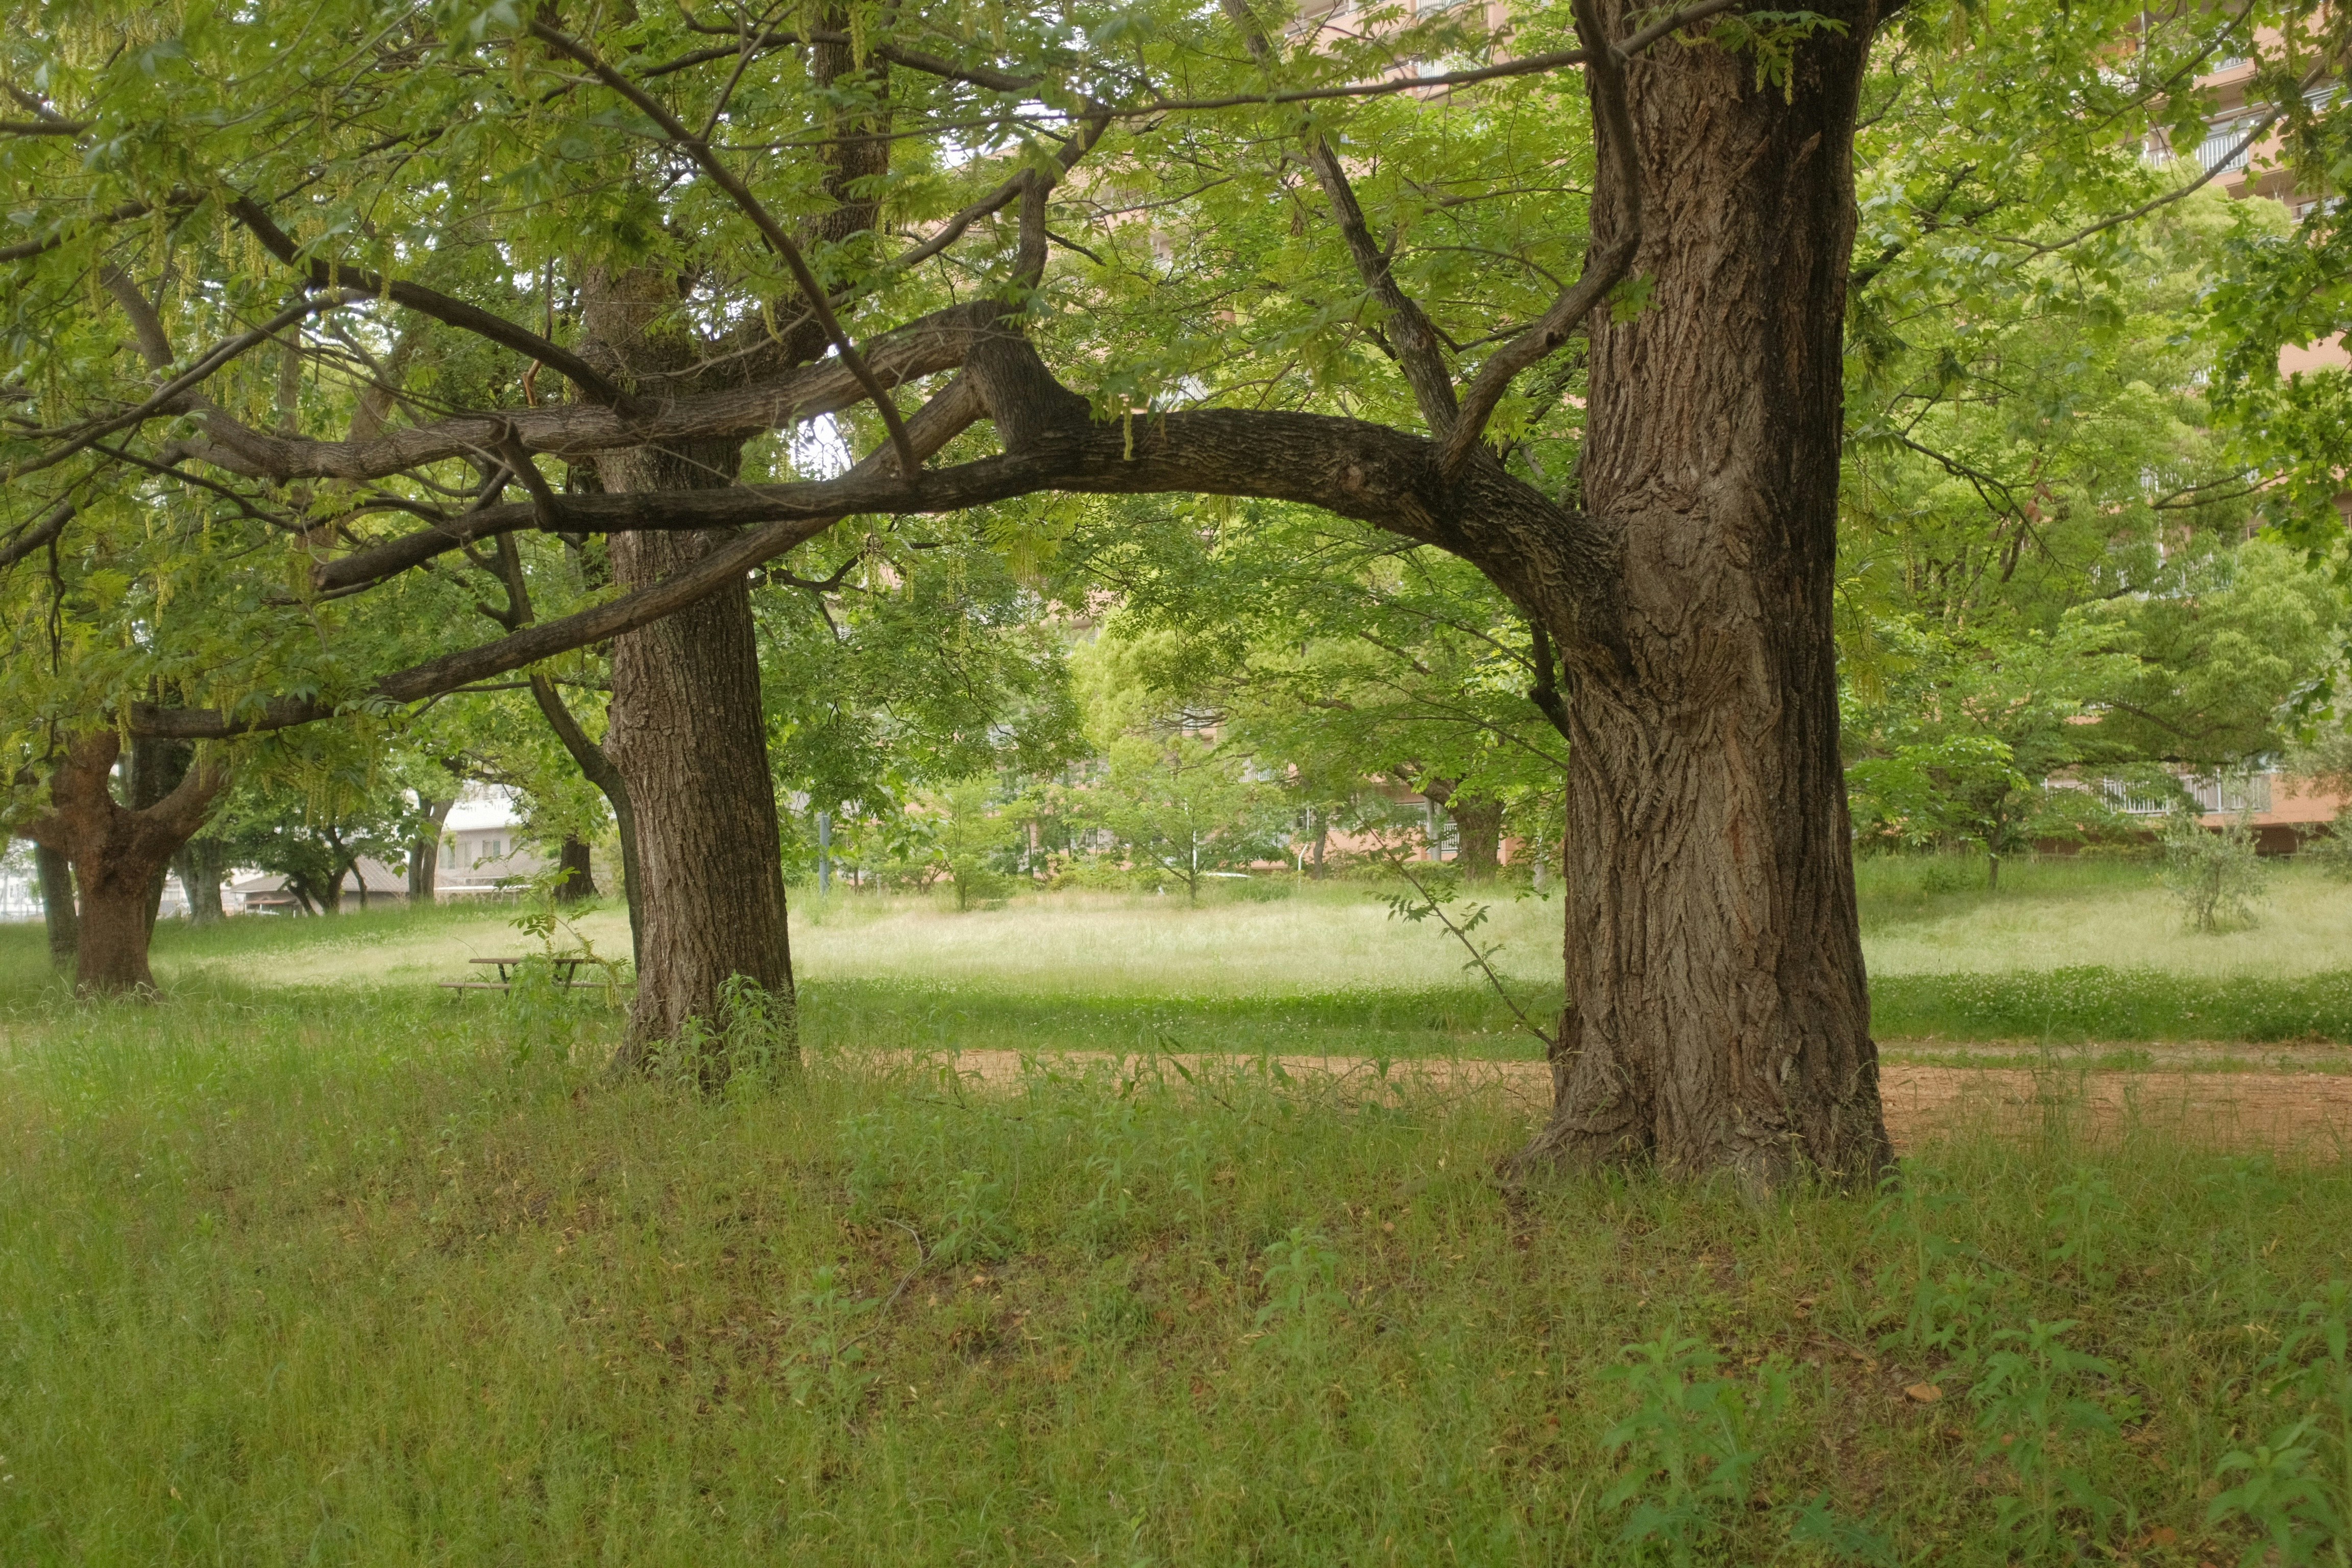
(117,855)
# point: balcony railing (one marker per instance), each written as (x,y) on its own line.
(2225,147)
(2227,793)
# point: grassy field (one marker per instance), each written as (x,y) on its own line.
(2069,951)
(351,1276)
(311,1262)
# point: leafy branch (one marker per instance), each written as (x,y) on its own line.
(1421,904)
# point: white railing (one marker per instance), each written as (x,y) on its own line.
(2225,147)
(2227,793)
(2232,792)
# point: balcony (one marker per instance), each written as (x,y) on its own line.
(2226,793)
(2225,148)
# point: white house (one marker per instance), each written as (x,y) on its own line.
(481,848)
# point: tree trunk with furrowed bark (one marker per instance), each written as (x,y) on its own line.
(687,736)
(1720,1019)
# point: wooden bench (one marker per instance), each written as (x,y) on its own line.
(567,972)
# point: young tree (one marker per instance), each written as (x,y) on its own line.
(312,809)
(1183,811)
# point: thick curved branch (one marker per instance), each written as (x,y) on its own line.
(924,347)
(1547,559)
(1368,472)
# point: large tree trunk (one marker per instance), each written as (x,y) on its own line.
(689,740)
(58,910)
(117,854)
(115,932)
(1720,1018)
(687,734)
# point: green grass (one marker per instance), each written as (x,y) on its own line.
(2067,1006)
(1932,915)
(1452,1021)
(350,1276)
(2071,949)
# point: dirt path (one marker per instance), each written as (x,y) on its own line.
(2307,1112)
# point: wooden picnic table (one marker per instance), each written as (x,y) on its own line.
(566,969)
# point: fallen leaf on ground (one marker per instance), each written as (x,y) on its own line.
(1925,1393)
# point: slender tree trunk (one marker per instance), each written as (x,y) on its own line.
(579,881)
(57,909)
(424,852)
(1721,1019)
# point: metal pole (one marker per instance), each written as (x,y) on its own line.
(823,853)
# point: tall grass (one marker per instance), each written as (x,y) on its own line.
(1933,915)
(358,1278)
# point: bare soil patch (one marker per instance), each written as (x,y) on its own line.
(2310,1114)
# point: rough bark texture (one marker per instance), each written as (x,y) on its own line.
(58,909)
(1721,1018)
(688,737)
(117,853)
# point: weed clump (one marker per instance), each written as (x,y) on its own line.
(2215,875)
